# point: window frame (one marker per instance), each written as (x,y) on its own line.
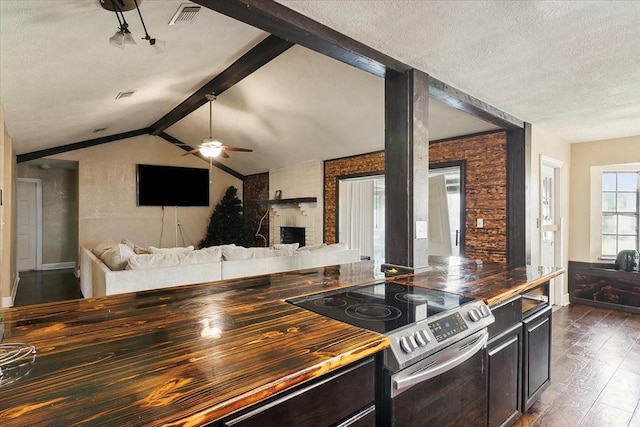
(617,213)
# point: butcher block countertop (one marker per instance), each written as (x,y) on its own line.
(190,355)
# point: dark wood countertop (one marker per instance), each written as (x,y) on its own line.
(182,356)
(189,355)
(490,282)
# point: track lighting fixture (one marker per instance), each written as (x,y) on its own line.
(123,36)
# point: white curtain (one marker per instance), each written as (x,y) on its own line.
(356,215)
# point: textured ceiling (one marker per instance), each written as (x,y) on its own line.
(569,67)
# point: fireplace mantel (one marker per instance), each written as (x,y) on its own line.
(302,203)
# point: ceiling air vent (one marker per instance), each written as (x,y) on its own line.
(187,12)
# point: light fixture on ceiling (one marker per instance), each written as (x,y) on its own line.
(210,147)
(123,36)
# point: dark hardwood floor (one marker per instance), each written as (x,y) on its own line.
(595,359)
(595,371)
(36,287)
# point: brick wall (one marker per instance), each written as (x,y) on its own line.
(254,189)
(485,191)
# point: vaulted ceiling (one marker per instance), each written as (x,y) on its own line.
(569,67)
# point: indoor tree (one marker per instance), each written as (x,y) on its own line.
(226,224)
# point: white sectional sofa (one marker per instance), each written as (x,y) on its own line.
(120,269)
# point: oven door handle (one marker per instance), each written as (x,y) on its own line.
(446,362)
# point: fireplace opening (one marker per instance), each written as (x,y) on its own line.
(292,235)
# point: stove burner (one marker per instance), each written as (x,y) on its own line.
(330,302)
(373,312)
(417,298)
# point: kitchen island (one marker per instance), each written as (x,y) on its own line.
(192,355)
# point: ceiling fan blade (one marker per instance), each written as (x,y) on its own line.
(191,151)
(230,148)
(224,154)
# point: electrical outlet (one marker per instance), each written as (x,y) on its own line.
(479,223)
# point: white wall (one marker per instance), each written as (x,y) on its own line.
(107,194)
(585,157)
(300,180)
(548,145)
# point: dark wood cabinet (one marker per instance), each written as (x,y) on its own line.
(504,355)
(536,375)
(505,367)
(346,398)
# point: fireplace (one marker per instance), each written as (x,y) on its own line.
(292,235)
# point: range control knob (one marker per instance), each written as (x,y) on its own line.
(474,315)
(405,345)
(485,311)
(421,338)
(426,336)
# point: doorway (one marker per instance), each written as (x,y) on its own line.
(29,224)
(361,218)
(361,212)
(551,222)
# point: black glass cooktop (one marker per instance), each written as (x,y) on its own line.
(381,307)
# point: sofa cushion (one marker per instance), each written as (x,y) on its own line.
(117,256)
(151,261)
(176,250)
(203,256)
(312,247)
(103,246)
(286,249)
(240,253)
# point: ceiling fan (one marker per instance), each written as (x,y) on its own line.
(211,147)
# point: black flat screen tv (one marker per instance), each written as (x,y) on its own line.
(172,186)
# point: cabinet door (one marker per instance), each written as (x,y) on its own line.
(322,403)
(505,355)
(537,356)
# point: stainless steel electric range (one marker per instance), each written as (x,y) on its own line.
(434,371)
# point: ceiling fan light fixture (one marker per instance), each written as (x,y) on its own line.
(210,150)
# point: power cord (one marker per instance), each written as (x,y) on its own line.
(161,228)
(184,233)
(260,227)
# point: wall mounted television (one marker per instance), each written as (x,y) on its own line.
(172,186)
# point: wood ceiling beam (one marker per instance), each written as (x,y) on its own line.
(283,22)
(79,145)
(259,55)
(290,25)
(459,100)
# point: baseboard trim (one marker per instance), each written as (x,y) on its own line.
(565,299)
(59,265)
(8,301)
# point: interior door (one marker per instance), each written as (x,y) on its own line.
(439,228)
(27,224)
(550,236)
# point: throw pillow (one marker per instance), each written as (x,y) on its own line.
(237,253)
(137,249)
(117,256)
(103,246)
(203,256)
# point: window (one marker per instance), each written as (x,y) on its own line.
(619,212)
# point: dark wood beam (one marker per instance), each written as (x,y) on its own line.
(79,145)
(283,22)
(518,196)
(259,55)
(459,100)
(295,27)
(407,172)
(215,163)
